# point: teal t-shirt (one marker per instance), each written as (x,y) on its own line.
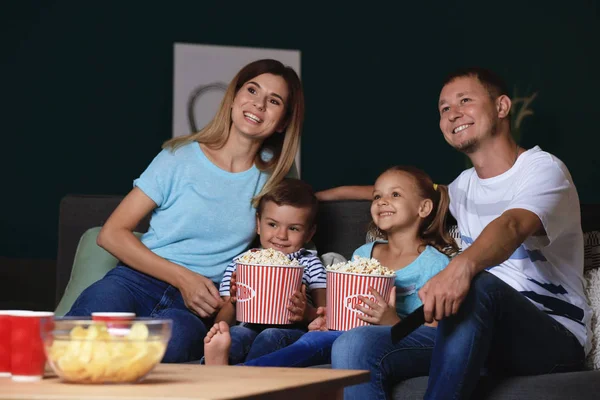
(412,277)
(204,215)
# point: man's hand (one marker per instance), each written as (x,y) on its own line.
(297,305)
(319,323)
(443,294)
(200,295)
(379,312)
(233,288)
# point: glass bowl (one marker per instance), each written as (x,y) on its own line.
(86,351)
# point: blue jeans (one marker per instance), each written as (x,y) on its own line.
(313,348)
(496,329)
(127,290)
(250,341)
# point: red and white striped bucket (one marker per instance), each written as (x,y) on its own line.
(264,291)
(343,289)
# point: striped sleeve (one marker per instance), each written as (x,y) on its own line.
(314,271)
(226,281)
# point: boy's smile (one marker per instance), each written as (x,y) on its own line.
(284,228)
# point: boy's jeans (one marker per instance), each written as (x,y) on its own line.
(251,341)
(313,348)
(496,328)
(124,289)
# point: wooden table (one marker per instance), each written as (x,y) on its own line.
(186,381)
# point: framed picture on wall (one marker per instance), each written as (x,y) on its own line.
(201,74)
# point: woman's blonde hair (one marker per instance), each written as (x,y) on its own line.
(283,146)
(433,229)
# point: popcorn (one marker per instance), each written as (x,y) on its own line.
(362,265)
(266,257)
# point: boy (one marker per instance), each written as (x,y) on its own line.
(285,220)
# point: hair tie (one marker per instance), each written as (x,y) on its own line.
(435,186)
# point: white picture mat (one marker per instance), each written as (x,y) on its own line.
(198,65)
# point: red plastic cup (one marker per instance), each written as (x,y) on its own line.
(27,361)
(116,322)
(343,291)
(264,291)
(5,339)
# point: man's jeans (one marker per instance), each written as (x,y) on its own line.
(313,348)
(124,289)
(252,341)
(496,329)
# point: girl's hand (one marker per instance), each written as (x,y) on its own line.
(379,312)
(200,295)
(298,305)
(319,323)
(233,288)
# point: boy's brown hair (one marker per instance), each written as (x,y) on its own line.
(292,192)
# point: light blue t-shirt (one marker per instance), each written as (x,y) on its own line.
(204,215)
(412,277)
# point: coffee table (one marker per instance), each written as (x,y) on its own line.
(188,381)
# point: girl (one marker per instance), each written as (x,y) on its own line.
(409,212)
(201,190)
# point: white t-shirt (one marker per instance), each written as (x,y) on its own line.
(548,270)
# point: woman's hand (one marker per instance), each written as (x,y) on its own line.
(200,295)
(233,288)
(319,323)
(379,312)
(298,305)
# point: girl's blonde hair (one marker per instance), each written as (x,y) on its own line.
(432,230)
(283,146)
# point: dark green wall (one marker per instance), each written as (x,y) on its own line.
(87,89)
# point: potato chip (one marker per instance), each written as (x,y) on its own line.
(138,332)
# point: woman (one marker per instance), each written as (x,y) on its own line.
(201,190)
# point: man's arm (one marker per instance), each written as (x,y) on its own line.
(443,294)
(499,240)
(346,193)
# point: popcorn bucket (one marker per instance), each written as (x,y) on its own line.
(264,291)
(343,289)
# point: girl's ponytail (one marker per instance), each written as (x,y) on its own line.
(434,232)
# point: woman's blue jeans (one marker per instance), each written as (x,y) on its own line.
(497,330)
(124,289)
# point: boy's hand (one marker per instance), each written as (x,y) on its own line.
(379,312)
(319,323)
(233,288)
(298,305)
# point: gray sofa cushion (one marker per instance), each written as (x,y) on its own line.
(563,386)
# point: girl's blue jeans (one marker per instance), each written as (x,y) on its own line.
(497,330)
(124,289)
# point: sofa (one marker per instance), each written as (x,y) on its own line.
(341,228)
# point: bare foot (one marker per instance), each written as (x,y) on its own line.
(216,345)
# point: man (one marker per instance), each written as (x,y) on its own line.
(512,302)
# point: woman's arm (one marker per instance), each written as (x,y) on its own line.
(116,236)
(346,193)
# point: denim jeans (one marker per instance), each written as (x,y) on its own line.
(313,348)
(496,329)
(127,290)
(250,341)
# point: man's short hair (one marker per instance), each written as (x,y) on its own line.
(493,83)
(292,192)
